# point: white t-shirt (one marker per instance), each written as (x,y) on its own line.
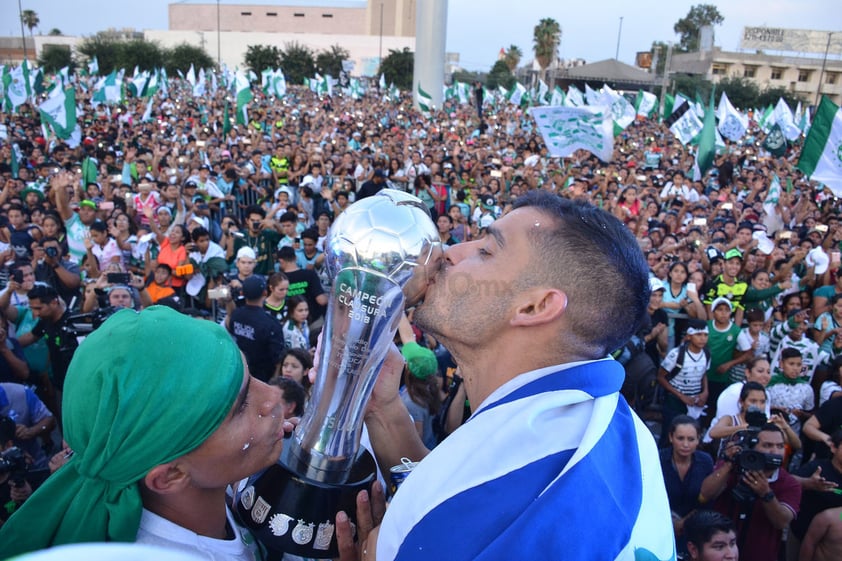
(155,530)
(689,380)
(728,405)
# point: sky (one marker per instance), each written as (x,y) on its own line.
(477,29)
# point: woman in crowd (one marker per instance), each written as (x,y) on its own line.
(680,297)
(421,389)
(275,302)
(684,467)
(172,250)
(832,387)
(296,329)
(828,325)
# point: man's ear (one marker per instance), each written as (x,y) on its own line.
(168,478)
(692,550)
(539,306)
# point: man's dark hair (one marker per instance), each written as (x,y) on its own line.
(42,292)
(311,234)
(772,427)
(293,392)
(790,352)
(836,437)
(591,256)
(200,232)
(701,526)
(99,226)
(165,267)
(749,387)
(255,209)
(288,216)
(286,253)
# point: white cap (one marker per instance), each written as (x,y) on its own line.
(721,300)
(246,252)
(764,244)
(656,284)
(817,258)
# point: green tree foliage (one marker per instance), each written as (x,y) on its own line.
(770,96)
(546,38)
(106,51)
(688,27)
(30,20)
(55,57)
(147,55)
(659,56)
(468,77)
(55,32)
(500,75)
(512,57)
(397,67)
(297,62)
(692,86)
(182,56)
(742,93)
(329,61)
(260,57)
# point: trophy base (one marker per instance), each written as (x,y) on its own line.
(290,513)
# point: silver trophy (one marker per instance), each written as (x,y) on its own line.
(380,253)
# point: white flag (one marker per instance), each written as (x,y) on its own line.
(684,123)
(821,156)
(591,95)
(59,112)
(732,123)
(622,111)
(567,129)
(574,97)
(783,117)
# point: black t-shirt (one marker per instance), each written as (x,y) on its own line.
(369,188)
(813,502)
(61,343)
(45,273)
(660,316)
(306,282)
(260,337)
(829,417)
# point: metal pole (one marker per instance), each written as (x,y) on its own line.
(218,48)
(665,78)
(821,72)
(380,49)
(619,34)
(22,36)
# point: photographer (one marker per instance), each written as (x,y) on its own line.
(33,421)
(53,267)
(749,486)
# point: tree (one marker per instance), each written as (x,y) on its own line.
(659,57)
(770,96)
(500,75)
(146,55)
(512,57)
(55,32)
(546,38)
(742,93)
(30,20)
(260,57)
(468,77)
(692,85)
(688,27)
(329,61)
(182,56)
(397,67)
(55,57)
(105,49)
(297,62)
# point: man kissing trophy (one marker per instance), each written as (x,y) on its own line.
(379,253)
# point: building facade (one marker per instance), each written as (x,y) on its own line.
(800,75)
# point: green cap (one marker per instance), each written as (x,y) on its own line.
(421,361)
(733,254)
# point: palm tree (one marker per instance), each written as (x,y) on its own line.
(30,20)
(546,38)
(512,57)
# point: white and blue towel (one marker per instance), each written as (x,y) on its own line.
(553,465)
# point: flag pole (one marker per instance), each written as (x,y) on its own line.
(619,34)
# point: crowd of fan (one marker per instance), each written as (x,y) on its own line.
(228,222)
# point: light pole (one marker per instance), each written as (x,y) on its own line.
(22,36)
(380,49)
(218,48)
(824,64)
(619,34)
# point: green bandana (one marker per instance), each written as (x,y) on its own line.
(143,389)
(781,379)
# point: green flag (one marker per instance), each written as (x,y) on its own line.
(821,157)
(226,121)
(89,171)
(425,101)
(59,112)
(775,142)
(707,144)
(244,96)
(669,103)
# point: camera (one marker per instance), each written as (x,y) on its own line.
(118,278)
(13,462)
(748,459)
(51,251)
(219,293)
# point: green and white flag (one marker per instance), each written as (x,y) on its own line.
(707,144)
(16,84)
(518,94)
(147,114)
(783,117)
(107,89)
(200,86)
(557,98)
(93,67)
(425,101)
(191,76)
(567,129)
(541,93)
(464,92)
(622,111)
(766,118)
(574,97)
(356,88)
(773,195)
(278,86)
(732,124)
(266,80)
(59,112)
(821,156)
(646,104)
(382,82)
(669,106)
(775,142)
(591,95)
(243,96)
(684,123)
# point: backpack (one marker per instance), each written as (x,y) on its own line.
(679,360)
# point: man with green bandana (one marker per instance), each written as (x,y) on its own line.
(147,467)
